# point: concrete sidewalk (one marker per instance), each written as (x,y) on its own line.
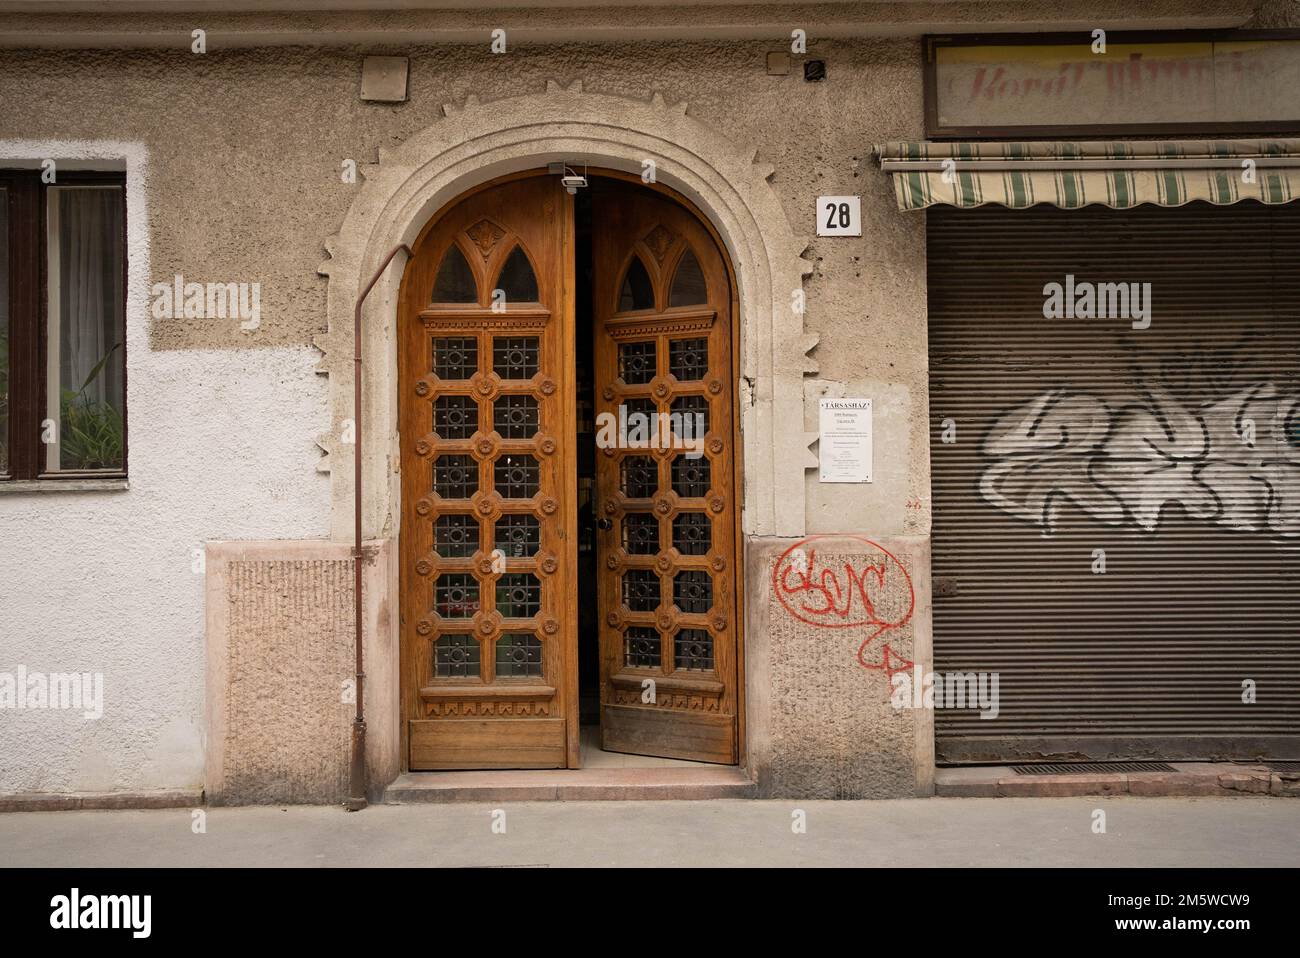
(938,831)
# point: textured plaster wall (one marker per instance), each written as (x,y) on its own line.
(825,616)
(103,582)
(246,149)
(244,155)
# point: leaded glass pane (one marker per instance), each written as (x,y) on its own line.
(636,362)
(455,596)
(455,477)
(515,357)
(518,537)
(519,655)
(693,591)
(641,533)
(455,417)
(691,477)
(641,647)
(693,650)
(455,357)
(519,595)
(689,417)
(692,533)
(515,417)
(641,590)
(688,359)
(639,477)
(455,657)
(516,477)
(455,536)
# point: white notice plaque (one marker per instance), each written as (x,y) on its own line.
(845,448)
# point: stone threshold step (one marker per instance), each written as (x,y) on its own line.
(571,785)
(1188,778)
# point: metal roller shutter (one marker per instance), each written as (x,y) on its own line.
(1076,435)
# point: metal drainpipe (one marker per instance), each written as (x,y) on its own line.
(357,772)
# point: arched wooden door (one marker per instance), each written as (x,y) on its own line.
(488,503)
(666,502)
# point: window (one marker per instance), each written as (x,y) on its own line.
(62,325)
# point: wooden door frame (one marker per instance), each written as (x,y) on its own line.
(569,302)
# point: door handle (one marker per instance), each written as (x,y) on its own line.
(604,524)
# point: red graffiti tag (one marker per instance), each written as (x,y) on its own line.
(842,598)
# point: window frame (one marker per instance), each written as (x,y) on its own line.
(27,201)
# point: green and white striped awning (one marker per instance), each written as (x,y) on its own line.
(1071,175)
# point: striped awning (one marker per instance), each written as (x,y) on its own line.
(1070,175)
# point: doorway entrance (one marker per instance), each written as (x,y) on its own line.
(569,508)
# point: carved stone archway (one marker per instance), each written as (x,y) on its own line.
(476,142)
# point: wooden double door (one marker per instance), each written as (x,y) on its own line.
(490,435)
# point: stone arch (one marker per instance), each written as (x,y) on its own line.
(476,142)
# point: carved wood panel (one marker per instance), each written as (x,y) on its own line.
(665,482)
(485,382)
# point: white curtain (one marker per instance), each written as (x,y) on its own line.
(90,292)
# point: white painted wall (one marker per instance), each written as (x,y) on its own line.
(220,447)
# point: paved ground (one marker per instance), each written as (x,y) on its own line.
(958,831)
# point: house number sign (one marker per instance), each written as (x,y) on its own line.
(839,216)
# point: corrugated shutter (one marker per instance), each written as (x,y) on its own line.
(1076,435)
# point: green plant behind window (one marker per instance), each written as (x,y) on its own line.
(93,432)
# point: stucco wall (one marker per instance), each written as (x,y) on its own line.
(244,151)
(104,583)
(246,146)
